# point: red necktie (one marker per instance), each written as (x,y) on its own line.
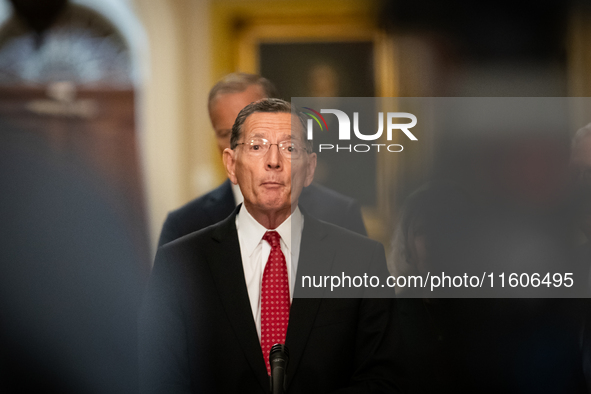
(274,298)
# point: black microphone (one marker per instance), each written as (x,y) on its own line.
(278,359)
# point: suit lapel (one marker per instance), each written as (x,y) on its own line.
(225,263)
(303,310)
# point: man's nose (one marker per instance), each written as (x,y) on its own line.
(273,158)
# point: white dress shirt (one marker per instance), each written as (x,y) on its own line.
(255,253)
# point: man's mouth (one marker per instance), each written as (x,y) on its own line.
(272,184)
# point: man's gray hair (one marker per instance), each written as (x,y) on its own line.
(238,83)
(269,105)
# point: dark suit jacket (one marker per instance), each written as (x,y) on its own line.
(215,206)
(197,332)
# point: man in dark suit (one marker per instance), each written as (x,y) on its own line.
(218,298)
(226,99)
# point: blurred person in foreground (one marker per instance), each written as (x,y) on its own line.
(219,298)
(226,99)
(506,211)
(70,277)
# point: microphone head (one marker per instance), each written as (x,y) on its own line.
(279,350)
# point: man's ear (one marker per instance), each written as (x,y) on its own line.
(310,169)
(229,157)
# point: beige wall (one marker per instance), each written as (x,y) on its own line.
(177,141)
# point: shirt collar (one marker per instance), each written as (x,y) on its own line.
(253,232)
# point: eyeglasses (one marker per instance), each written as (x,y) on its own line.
(260,146)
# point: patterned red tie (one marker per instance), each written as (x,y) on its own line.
(274,298)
